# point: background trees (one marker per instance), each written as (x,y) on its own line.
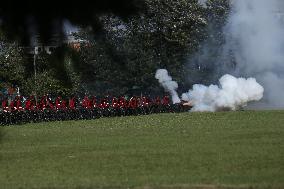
(12,62)
(127,54)
(54,72)
(124,55)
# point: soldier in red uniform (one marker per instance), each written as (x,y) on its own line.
(115,110)
(115,103)
(5,105)
(42,104)
(133,103)
(29,104)
(145,105)
(18,103)
(49,103)
(166,104)
(166,100)
(72,103)
(90,104)
(145,101)
(104,104)
(85,102)
(133,106)
(74,113)
(12,106)
(104,107)
(95,105)
(58,103)
(157,105)
(122,102)
(158,100)
(63,105)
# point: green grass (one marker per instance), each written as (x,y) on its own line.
(189,150)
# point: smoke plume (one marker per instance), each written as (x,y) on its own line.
(232,94)
(253,47)
(255,37)
(168,84)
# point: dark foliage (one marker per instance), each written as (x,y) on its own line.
(183,37)
(22,19)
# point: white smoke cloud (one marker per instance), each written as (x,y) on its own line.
(232,94)
(255,39)
(255,35)
(168,84)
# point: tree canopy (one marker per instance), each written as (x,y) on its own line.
(124,55)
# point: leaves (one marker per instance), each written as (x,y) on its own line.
(126,52)
(11,63)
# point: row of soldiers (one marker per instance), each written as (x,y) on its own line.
(46,102)
(22,110)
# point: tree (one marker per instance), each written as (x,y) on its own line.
(127,54)
(55,74)
(124,55)
(11,63)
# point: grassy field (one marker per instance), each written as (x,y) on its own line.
(169,151)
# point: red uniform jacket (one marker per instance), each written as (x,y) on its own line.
(115,103)
(5,105)
(12,106)
(158,101)
(104,103)
(133,103)
(95,102)
(85,102)
(19,105)
(58,103)
(122,102)
(63,105)
(145,101)
(72,105)
(166,100)
(50,104)
(28,105)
